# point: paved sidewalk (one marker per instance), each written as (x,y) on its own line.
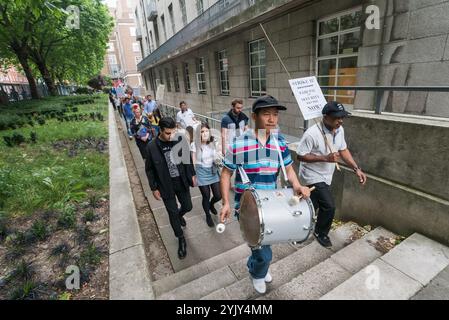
(202,242)
(128,273)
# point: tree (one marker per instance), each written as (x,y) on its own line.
(62,52)
(36,33)
(16,25)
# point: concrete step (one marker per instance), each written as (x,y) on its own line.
(437,289)
(197,271)
(339,267)
(210,275)
(398,275)
(286,269)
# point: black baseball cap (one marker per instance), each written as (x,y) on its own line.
(335,110)
(267,102)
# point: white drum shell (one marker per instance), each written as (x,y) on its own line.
(281,222)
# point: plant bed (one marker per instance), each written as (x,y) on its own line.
(54,207)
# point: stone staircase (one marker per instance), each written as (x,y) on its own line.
(348,270)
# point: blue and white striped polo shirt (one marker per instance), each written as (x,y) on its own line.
(261,163)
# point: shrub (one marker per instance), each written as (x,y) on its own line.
(8,141)
(39,230)
(18,138)
(33,136)
(41,121)
(89,216)
(67,218)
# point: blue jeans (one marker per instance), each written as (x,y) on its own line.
(128,125)
(259,261)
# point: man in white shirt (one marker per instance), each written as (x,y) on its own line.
(318,164)
(149,105)
(185,116)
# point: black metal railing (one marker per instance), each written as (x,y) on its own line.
(380,90)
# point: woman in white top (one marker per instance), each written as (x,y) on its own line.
(205,155)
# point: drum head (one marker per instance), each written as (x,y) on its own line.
(250,224)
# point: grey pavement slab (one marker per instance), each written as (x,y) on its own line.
(437,289)
(360,253)
(280,251)
(129,277)
(202,286)
(419,257)
(312,284)
(196,271)
(201,246)
(290,266)
(391,284)
(323,277)
(217,295)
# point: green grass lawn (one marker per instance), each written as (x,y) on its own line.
(54,191)
(39,175)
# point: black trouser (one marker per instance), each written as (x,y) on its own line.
(142,145)
(174,213)
(207,201)
(323,201)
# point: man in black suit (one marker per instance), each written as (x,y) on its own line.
(170,174)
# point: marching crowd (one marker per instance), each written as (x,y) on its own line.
(182,153)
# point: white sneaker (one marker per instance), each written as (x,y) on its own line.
(259,285)
(268,278)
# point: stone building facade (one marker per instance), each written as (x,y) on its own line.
(222,53)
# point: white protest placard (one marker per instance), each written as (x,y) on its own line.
(120,92)
(160,92)
(309,96)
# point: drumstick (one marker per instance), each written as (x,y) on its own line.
(294,200)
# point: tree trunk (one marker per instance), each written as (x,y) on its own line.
(23,59)
(47,77)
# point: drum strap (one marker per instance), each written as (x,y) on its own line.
(281,159)
(245,179)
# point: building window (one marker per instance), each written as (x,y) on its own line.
(132,31)
(110,46)
(161,77)
(167,79)
(182,5)
(257,64)
(136,47)
(176,78)
(200,76)
(172,18)
(199,6)
(112,59)
(163,27)
(138,59)
(338,45)
(187,87)
(223,72)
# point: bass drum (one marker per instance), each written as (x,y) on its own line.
(266,217)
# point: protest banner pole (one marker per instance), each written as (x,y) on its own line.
(290,77)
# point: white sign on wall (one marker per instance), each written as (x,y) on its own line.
(160,92)
(309,96)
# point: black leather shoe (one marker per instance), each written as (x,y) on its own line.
(209,221)
(183,221)
(212,209)
(182,249)
(324,240)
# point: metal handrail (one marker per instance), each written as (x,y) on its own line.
(380,90)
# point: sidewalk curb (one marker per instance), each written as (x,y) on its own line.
(129,278)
